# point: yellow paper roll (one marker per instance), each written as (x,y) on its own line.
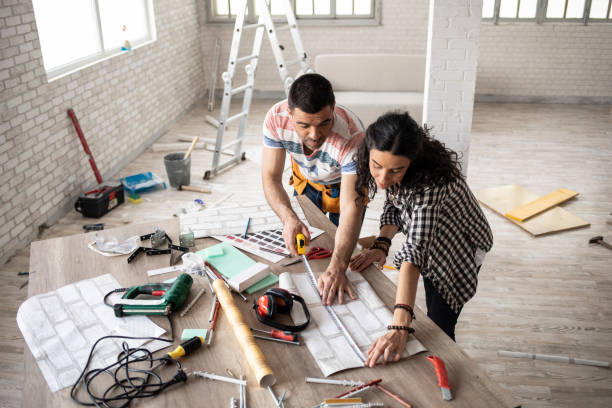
(242,332)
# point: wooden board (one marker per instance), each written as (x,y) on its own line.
(57,262)
(506,198)
(539,205)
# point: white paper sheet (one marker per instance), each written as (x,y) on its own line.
(60,327)
(365,318)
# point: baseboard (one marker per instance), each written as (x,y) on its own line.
(578,100)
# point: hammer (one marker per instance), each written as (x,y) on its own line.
(599,240)
(196,189)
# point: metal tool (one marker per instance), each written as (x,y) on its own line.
(195,299)
(346,383)
(600,241)
(212,376)
(167,297)
(277,401)
(279,334)
(314,253)
(330,310)
(295,343)
(442,377)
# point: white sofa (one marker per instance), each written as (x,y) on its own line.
(372,84)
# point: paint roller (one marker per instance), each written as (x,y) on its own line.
(242,332)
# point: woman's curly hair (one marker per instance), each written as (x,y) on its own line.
(432,164)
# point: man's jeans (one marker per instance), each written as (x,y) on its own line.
(317,198)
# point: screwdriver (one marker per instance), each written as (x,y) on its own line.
(186,347)
(278,334)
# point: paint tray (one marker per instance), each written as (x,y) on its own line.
(143,182)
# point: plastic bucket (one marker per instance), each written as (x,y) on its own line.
(177,169)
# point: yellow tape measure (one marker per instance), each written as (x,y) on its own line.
(300,244)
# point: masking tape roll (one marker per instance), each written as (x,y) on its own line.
(242,332)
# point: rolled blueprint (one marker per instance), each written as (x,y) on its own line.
(242,332)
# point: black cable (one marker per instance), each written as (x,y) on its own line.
(130,386)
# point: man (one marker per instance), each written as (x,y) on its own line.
(321,139)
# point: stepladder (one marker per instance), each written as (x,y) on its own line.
(233,148)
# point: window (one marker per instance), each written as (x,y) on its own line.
(585,11)
(331,11)
(77,33)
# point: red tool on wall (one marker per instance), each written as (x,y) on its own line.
(92,162)
(97,202)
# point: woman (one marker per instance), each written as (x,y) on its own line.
(429,201)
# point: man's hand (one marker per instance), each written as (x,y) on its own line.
(390,346)
(292,227)
(331,282)
(367,257)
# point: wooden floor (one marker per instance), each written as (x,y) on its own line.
(550,295)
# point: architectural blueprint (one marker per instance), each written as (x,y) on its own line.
(365,318)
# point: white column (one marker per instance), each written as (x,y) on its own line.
(450,79)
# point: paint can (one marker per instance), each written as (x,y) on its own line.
(178,169)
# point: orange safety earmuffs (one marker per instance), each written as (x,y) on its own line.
(277,300)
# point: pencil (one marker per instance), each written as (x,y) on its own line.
(247,228)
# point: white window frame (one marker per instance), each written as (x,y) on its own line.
(306,20)
(540,16)
(76,65)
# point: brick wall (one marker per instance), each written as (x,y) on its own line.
(122,104)
(452,54)
(515,59)
(550,62)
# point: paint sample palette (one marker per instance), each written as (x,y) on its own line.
(271,240)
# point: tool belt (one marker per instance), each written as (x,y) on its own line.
(329,192)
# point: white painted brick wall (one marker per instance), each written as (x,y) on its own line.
(403,30)
(523,59)
(547,60)
(453,36)
(121,103)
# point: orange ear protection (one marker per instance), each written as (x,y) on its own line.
(277,300)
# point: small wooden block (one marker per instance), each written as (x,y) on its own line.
(249,276)
(540,205)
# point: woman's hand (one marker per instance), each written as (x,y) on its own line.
(390,347)
(367,257)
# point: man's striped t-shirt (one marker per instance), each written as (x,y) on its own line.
(326,164)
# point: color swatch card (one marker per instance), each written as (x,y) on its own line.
(263,243)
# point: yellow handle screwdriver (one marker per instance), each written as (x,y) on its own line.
(187,347)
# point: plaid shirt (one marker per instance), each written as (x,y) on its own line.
(444,227)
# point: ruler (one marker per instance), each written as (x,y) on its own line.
(333,315)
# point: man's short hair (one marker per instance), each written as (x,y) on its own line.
(311,93)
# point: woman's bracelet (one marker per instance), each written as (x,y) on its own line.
(407,308)
(384,239)
(380,245)
(406,328)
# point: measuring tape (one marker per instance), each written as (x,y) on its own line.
(334,316)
